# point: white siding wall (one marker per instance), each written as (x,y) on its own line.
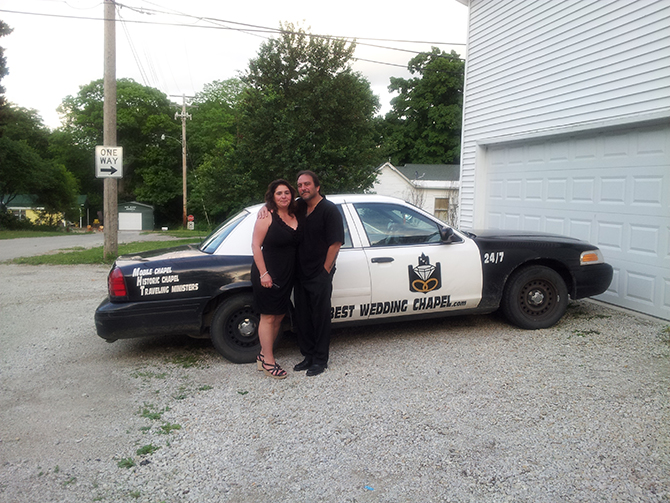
(543,66)
(390,183)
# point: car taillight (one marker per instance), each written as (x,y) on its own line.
(116,283)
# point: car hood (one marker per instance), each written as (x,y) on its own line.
(518,235)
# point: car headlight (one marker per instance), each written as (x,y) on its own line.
(591,257)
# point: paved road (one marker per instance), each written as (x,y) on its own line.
(29,247)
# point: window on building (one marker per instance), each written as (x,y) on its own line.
(442,208)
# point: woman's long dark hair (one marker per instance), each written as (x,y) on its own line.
(270,196)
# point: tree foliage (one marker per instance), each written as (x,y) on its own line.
(424,124)
(4,30)
(304,108)
(25,166)
(215,188)
(151,170)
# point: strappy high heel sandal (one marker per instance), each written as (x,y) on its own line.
(259,362)
(274,370)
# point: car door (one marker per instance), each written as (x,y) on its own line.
(412,271)
(351,283)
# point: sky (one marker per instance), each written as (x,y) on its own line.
(179,46)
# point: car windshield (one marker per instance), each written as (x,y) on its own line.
(217,237)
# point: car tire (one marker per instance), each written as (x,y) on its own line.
(234,329)
(535,297)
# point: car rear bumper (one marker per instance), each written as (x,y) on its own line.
(127,320)
(591,280)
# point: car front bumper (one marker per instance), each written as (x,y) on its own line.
(590,280)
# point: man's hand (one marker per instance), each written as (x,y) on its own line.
(263,213)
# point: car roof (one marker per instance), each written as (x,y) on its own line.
(346,198)
(357,198)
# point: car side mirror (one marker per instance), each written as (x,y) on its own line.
(448,235)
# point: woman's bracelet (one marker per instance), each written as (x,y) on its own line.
(264,274)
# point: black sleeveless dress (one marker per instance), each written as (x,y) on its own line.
(279,252)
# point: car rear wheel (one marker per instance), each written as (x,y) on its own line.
(234,329)
(535,297)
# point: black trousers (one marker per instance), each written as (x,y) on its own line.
(312,309)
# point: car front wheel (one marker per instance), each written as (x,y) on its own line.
(234,329)
(535,297)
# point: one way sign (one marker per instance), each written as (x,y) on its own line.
(108,162)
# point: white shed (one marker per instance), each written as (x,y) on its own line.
(566,128)
(432,187)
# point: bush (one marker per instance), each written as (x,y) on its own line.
(9,222)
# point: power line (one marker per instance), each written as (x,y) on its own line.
(250,30)
(276,30)
(251,27)
(136,57)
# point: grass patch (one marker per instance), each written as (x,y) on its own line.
(126,463)
(149,411)
(185,361)
(184,233)
(149,375)
(665,335)
(147,449)
(583,333)
(69,481)
(206,387)
(95,255)
(168,428)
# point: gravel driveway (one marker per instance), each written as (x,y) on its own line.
(466,409)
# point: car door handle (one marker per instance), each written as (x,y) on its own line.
(381,260)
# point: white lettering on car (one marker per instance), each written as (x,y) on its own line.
(494,257)
(148,277)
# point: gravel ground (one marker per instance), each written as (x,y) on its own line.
(464,409)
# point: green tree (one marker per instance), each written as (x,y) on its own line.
(424,124)
(304,108)
(65,150)
(151,172)
(25,166)
(4,30)
(215,188)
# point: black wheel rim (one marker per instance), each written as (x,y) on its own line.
(242,328)
(538,298)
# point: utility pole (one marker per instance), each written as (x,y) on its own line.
(110,206)
(183,116)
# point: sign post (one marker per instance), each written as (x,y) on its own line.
(111,198)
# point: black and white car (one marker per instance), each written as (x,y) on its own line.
(398,262)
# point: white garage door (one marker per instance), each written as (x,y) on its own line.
(130,221)
(609,188)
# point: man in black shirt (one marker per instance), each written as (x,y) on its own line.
(322,237)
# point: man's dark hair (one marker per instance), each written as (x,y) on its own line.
(315,179)
(270,196)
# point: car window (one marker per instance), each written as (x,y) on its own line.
(212,242)
(347,236)
(393,225)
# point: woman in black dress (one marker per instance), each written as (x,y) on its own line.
(274,244)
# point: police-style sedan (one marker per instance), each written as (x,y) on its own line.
(397,262)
